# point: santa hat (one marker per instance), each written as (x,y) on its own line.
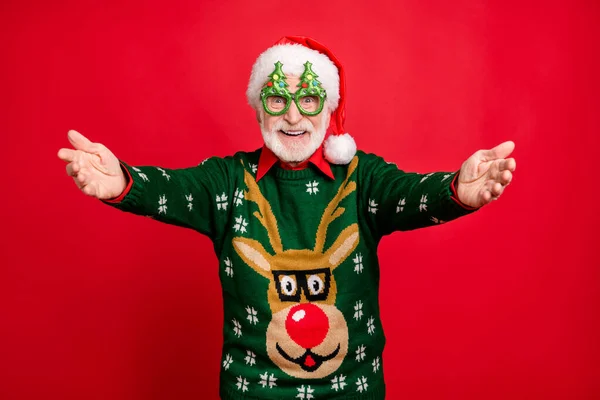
(293,52)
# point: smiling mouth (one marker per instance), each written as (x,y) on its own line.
(292,133)
(309,361)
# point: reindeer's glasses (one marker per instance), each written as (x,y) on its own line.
(314,282)
(310,96)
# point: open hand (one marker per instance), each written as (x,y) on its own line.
(484,176)
(94,168)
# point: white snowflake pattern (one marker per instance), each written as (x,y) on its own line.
(311,187)
(162,204)
(437,221)
(373,206)
(375,364)
(253,167)
(361,384)
(222,202)
(360,353)
(425,177)
(305,392)
(267,380)
(358,310)
(423,205)
(371,326)
(238,197)
(250,358)
(358,265)
(237,327)
(189,198)
(164,173)
(242,384)
(240,224)
(446,177)
(141,174)
(338,382)
(228,267)
(252,315)
(205,160)
(401,204)
(227,361)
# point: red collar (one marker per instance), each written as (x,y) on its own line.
(268,159)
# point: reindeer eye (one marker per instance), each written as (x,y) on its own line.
(288,285)
(315,284)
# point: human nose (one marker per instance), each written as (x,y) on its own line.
(293,116)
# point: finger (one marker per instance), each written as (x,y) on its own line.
(90,190)
(76,167)
(79,185)
(79,141)
(503,150)
(509,164)
(70,170)
(505,177)
(66,154)
(497,189)
(82,177)
(486,196)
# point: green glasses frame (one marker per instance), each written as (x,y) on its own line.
(308,86)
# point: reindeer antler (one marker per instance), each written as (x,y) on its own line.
(333,211)
(265,216)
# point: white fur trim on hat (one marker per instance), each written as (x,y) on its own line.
(293,57)
(339,149)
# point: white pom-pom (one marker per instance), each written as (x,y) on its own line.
(340,149)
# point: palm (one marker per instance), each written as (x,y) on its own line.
(94,168)
(484,176)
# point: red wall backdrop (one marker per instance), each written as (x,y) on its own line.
(503,304)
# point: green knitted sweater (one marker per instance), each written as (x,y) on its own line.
(298,263)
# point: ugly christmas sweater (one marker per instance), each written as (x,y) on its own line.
(298,263)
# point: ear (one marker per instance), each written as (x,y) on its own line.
(258,116)
(253,254)
(343,246)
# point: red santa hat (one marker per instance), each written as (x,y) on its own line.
(293,52)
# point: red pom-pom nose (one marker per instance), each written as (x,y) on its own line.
(307,325)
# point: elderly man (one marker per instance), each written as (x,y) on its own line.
(296,226)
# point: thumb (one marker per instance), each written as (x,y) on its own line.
(501,151)
(80,142)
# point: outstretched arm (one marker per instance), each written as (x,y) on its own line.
(396,200)
(185,197)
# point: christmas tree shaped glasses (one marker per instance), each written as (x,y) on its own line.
(310,96)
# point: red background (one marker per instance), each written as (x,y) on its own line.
(503,304)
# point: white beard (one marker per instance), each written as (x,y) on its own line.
(296,153)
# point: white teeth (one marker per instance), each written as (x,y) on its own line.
(293,133)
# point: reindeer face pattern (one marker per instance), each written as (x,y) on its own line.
(307,336)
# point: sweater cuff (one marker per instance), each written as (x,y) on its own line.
(129,199)
(129,180)
(454,195)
